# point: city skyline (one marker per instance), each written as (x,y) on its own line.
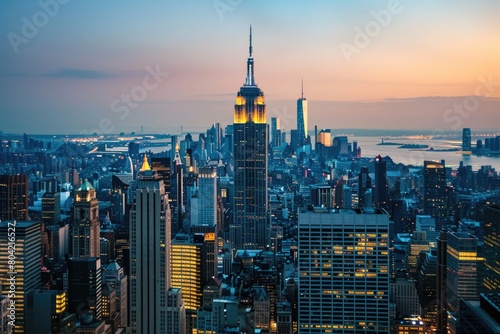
(413,66)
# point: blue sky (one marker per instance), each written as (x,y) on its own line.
(66,77)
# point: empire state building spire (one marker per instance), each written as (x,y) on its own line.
(250,81)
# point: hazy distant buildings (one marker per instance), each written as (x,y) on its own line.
(13,197)
(149,254)
(250,228)
(343,263)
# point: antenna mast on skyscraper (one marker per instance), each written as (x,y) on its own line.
(250,49)
(302,89)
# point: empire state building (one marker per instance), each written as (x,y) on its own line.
(250,228)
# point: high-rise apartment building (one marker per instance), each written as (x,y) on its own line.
(250,228)
(149,254)
(85,227)
(13,197)
(343,258)
(21,273)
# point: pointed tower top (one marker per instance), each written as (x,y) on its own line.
(177,158)
(250,81)
(145,164)
(302,89)
(250,48)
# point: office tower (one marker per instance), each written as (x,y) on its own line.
(5,328)
(479,317)
(491,280)
(108,307)
(58,238)
(13,197)
(115,277)
(418,243)
(364,183)
(207,196)
(194,264)
(322,196)
(380,189)
(250,229)
(177,192)
(426,286)
(85,286)
(404,294)
(284,318)
(51,208)
(26,266)
(442,314)
(466,140)
(212,290)
(149,254)
(302,128)
(340,146)
(275,131)
(176,312)
(343,263)
(464,261)
(162,168)
(325,137)
(435,191)
(261,307)
(133,148)
(46,312)
(85,227)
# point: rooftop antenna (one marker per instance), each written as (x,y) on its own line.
(250,49)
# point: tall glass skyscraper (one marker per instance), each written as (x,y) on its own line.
(250,228)
(302,118)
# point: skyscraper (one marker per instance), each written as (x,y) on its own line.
(85,286)
(492,248)
(207,196)
(442,316)
(466,140)
(85,227)
(364,183)
(149,254)
(24,274)
(275,131)
(381,191)
(250,227)
(177,192)
(302,118)
(13,197)
(435,191)
(343,258)
(463,277)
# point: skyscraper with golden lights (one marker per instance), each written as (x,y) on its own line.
(250,229)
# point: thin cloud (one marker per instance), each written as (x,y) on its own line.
(73,73)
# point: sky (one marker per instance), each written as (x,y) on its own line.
(119,65)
